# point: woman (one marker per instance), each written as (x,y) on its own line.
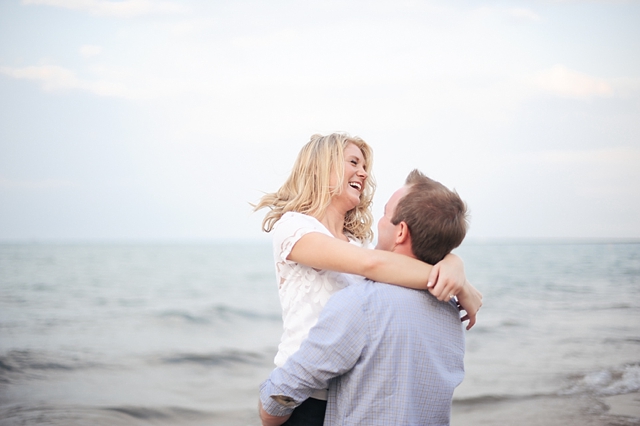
(321,221)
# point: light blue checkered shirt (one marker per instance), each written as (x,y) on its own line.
(389,356)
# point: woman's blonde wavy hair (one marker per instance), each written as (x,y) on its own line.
(307,189)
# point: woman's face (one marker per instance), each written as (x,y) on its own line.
(354,179)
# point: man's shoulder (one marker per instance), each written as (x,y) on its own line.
(383,296)
(366,291)
(356,294)
(364,286)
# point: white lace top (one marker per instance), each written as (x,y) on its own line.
(303,290)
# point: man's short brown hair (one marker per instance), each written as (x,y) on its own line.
(436,217)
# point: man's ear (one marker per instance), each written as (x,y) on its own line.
(402,235)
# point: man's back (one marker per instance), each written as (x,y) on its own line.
(398,354)
(389,355)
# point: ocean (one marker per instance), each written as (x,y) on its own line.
(183,334)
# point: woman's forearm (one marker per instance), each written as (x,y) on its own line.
(323,252)
(446,279)
(470,300)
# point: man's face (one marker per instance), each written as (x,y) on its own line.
(386,230)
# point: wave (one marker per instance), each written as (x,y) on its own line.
(606,382)
(120,415)
(492,399)
(222,358)
(146,413)
(479,400)
(635,340)
(19,362)
(219,313)
(227,312)
(184,316)
(599,383)
(612,306)
(183,416)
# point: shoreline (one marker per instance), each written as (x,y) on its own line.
(561,410)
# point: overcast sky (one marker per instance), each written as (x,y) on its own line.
(154,120)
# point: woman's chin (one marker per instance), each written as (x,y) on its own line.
(347,203)
(354,205)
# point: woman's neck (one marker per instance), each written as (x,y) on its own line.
(333,220)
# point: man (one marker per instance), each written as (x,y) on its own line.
(389,355)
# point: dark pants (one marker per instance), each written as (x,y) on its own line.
(309,413)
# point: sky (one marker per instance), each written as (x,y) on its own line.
(145,120)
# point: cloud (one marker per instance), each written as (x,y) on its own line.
(89,50)
(524,14)
(52,77)
(118,9)
(278,38)
(626,86)
(564,82)
(116,84)
(58,78)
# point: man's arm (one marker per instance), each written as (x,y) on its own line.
(269,420)
(332,348)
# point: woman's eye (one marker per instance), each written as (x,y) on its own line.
(354,162)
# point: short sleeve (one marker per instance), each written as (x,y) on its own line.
(289,229)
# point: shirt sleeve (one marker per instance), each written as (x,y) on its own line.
(332,348)
(290,228)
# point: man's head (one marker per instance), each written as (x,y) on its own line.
(423,219)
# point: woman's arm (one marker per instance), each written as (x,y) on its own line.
(447,277)
(470,300)
(444,280)
(324,252)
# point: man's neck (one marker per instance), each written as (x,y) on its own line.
(404,247)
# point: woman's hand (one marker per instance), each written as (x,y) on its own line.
(447,278)
(470,301)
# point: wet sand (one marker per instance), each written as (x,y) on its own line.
(619,410)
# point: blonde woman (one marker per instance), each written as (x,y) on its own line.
(321,223)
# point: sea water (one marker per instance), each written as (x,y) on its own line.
(142,334)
